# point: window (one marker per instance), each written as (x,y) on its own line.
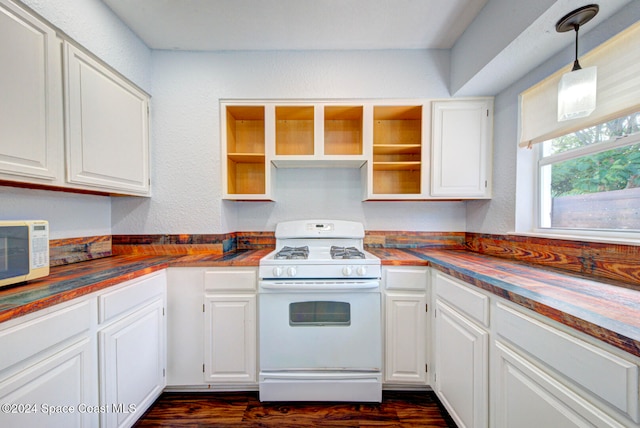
(590,179)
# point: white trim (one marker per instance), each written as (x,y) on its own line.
(623,238)
(601,146)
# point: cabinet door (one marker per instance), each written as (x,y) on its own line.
(56,391)
(461,148)
(405,338)
(132,364)
(527,397)
(107,121)
(230,338)
(31,102)
(461,367)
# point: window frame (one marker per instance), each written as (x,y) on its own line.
(541,192)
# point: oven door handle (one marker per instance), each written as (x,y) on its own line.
(319,285)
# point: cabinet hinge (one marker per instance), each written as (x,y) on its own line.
(162,311)
(487,112)
(203,307)
(485,184)
(202,368)
(426,368)
(426,307)
(164,373)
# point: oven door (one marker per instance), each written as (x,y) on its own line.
(322,328)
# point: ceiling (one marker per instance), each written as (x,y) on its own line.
(212,25)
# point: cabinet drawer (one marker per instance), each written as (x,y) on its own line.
(473,304)
(606,375)
(26,340)
(405,278)
(118,302)
(230,279)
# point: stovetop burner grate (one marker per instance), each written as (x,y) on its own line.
(292,253)
(346,253)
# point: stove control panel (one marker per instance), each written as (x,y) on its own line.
(347,271)
(353,271)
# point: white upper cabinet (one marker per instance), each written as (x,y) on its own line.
(461,148)
(401,155)
(31,102)
(94,126)
(107,127)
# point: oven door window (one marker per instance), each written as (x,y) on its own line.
(319,313)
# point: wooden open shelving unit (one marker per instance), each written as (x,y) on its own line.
(406,149)
(343,130)
(397,149)
(294,130)
(245,150)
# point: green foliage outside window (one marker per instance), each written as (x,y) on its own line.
(604,171)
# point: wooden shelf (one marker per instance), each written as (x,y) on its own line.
(294,130)
(392,149)
(245,150)
(397,149)
(397,166)
(343,130)
(246,157)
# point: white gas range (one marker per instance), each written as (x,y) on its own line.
(314,249)
(320,315)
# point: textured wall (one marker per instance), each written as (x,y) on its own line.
(186,184)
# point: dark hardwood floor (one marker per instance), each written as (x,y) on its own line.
(243,409)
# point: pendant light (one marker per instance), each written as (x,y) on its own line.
(577,88)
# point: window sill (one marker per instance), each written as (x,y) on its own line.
(622,238)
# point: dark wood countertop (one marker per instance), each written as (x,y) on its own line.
(607,311)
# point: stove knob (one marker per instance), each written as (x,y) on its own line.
(291,271)
(362,270)
(347,271)
(277,271)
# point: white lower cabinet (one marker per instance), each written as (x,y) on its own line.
(405,325)
(461,351)
(98,360)
(48,371)
(132,364)
(230,326)
(528,397)
(132,349)
(534,371)
(216,307)
(230,338)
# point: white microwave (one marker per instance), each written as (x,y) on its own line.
(24,250)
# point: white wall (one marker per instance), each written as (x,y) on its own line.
(70,215)
(186,178)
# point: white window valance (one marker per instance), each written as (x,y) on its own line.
(618,93)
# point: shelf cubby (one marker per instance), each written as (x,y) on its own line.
(397,149)
(294,130)
(343,130)
(245,150)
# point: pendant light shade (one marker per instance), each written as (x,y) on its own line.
(577,93)
(577,88)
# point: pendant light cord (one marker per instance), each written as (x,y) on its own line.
(576,64)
